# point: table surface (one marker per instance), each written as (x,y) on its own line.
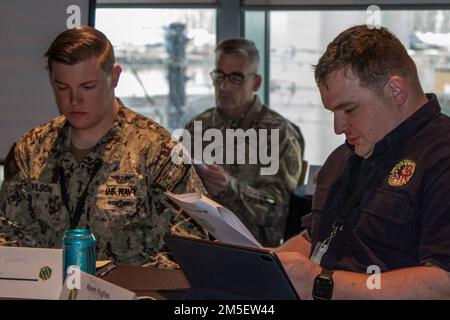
(160,284)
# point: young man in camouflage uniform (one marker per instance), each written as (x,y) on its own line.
(260,201)
(99,165)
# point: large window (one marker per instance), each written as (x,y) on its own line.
(1,174)
(166,56)
(296,40)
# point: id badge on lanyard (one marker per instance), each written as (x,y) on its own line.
(321,247)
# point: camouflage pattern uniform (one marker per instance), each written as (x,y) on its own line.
(125,207)
(260,201)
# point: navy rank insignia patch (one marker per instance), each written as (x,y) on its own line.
(45,273)
(401,173)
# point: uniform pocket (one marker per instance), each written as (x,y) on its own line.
(390,206)
(121,199)
(387,220)
(121,212)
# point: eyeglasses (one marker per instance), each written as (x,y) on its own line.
(234,77)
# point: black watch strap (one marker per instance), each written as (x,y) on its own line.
(327,273)
(323,285)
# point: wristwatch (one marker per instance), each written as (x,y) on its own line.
(323,285)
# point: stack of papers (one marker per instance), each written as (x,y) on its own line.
(215,218)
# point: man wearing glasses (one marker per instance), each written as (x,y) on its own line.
(260,201)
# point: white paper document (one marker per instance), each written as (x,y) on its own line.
(30,273)
(80,285)
(215,218)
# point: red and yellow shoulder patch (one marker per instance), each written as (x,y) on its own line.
(401,173)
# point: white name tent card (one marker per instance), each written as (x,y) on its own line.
(36,273)
(30,273)
(80,285)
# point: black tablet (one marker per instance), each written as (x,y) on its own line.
(223,271)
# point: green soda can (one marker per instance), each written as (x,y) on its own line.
(79,250)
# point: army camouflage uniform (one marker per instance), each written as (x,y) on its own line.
(125,207)
(260,201)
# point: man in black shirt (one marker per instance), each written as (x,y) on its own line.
(382,198)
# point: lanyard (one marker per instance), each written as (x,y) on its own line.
(342,218)
(75,215)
